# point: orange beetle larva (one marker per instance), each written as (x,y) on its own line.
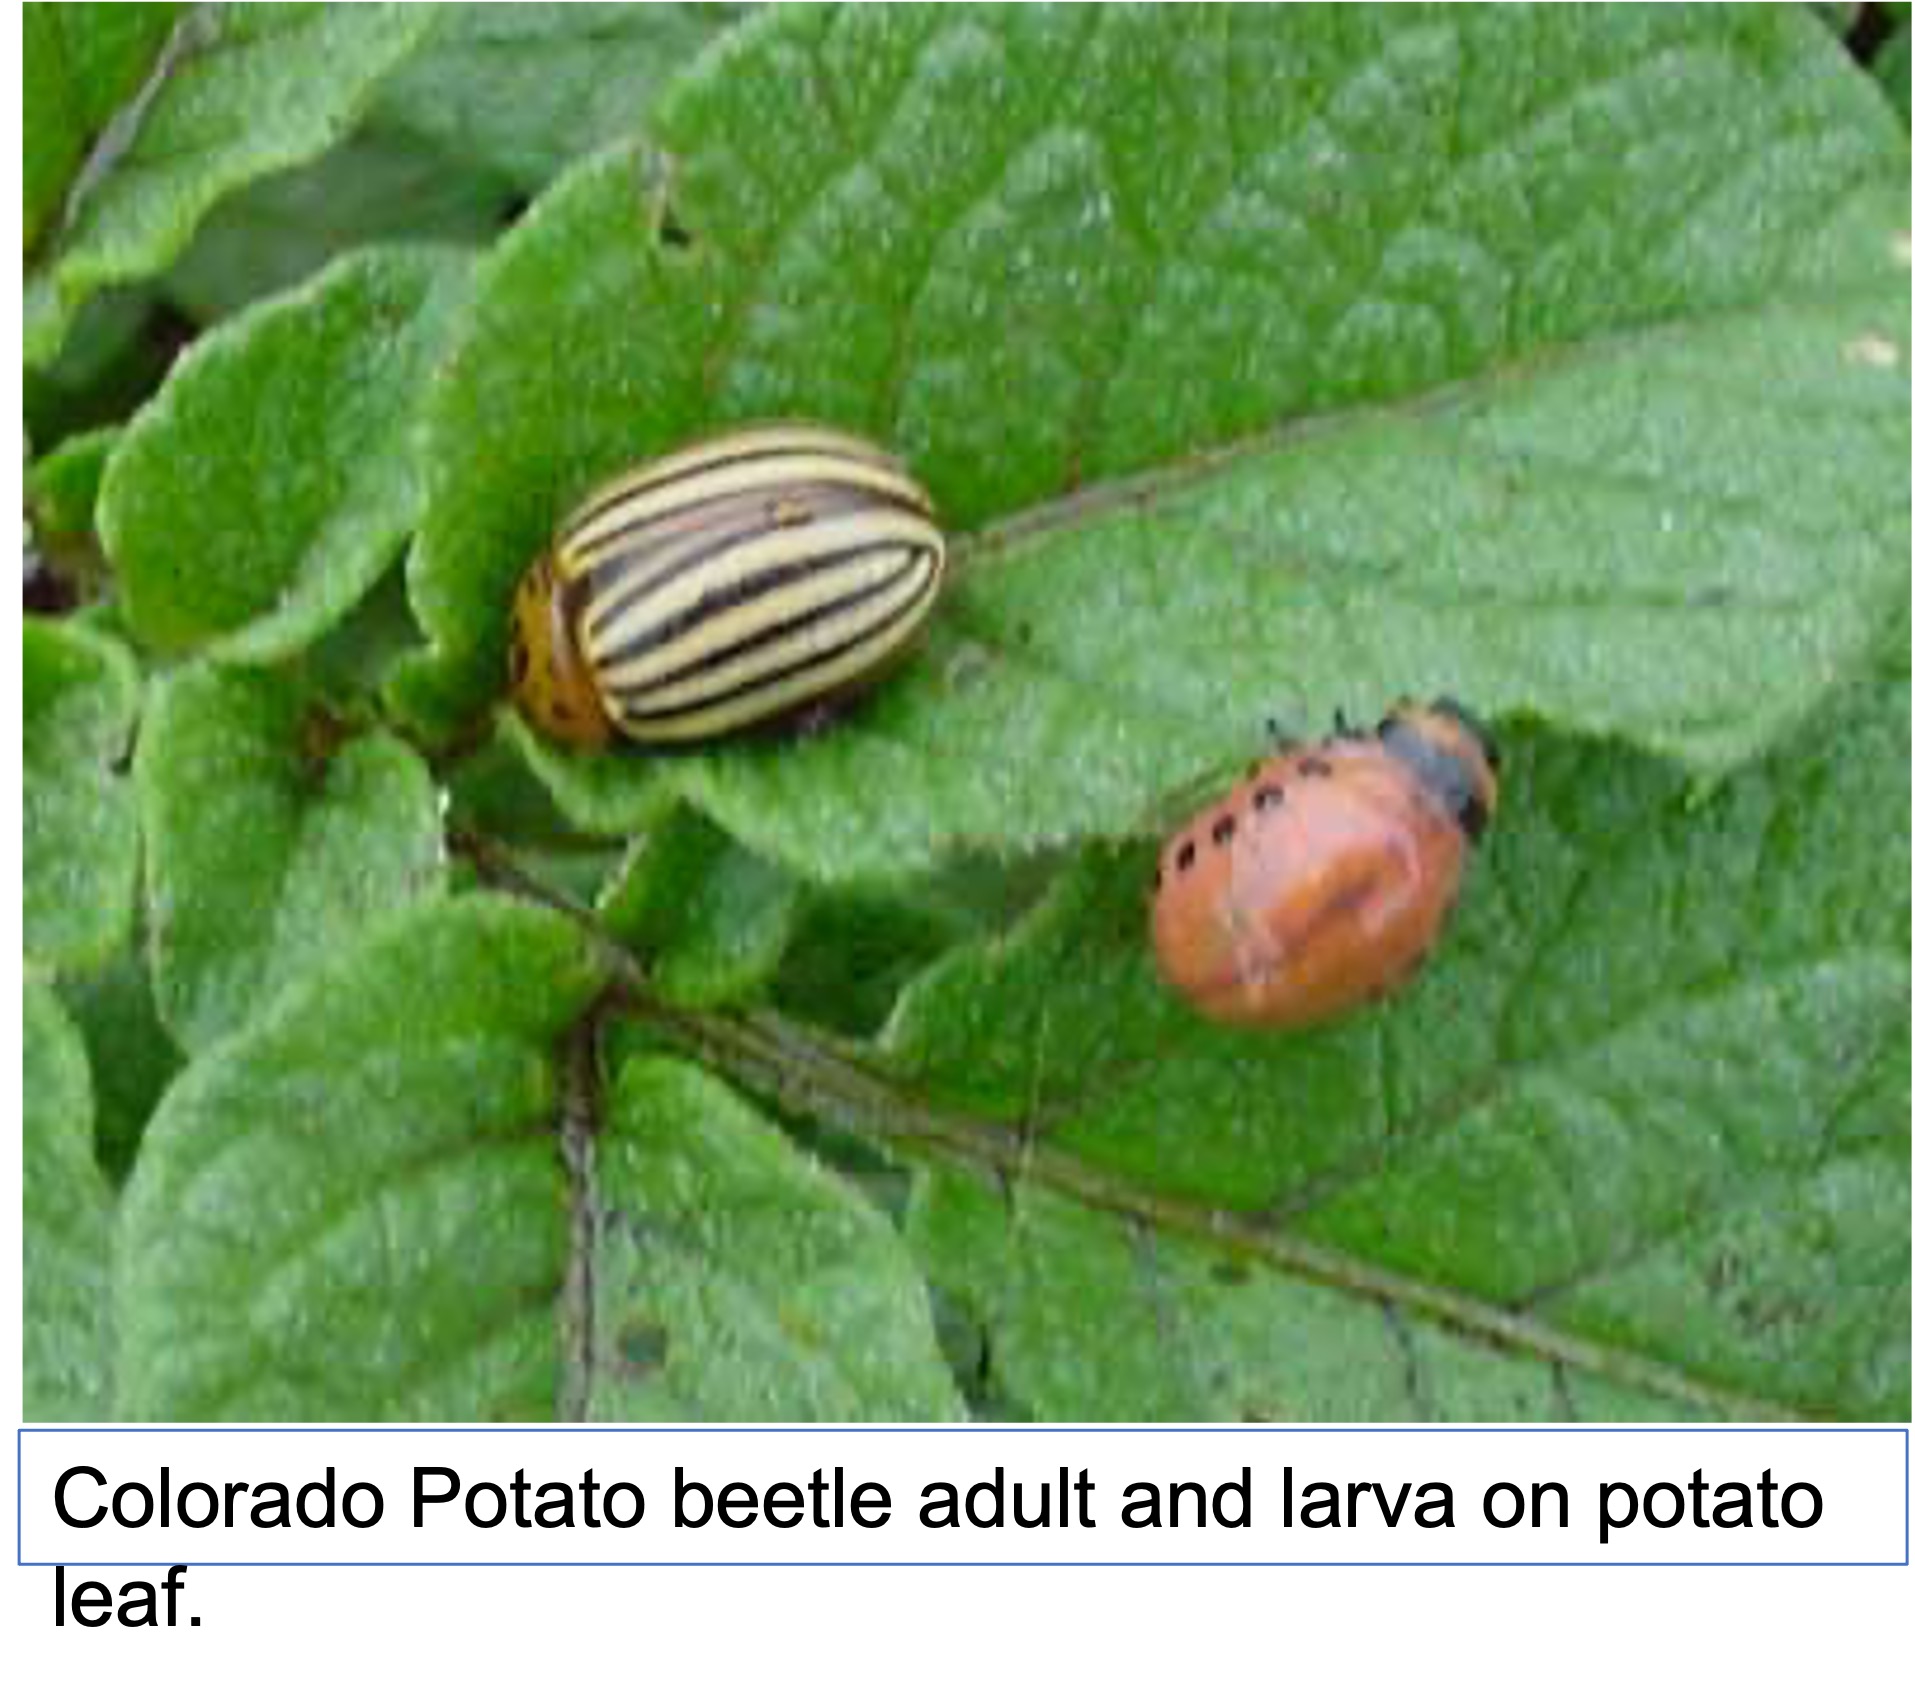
(1322,880)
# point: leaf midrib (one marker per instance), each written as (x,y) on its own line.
(801,1072)
(1168,478)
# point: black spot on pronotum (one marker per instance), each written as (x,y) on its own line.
(1186,855)
(671,233)
(1223,829)
(1312,766)
(1268,798)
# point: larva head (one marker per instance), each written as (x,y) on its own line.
(1451,755)
(551,681)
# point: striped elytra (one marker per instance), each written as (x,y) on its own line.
(732,585)
(1323,879)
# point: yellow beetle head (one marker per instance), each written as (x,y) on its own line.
(551,681)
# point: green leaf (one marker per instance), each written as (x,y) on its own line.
(608,797)
(257,89)
(81,64)
(533,410)
(709,919)
(1649,1099)
(524,90)
(63,486)
(492,795)
(268,851)
(852,951)
(494,102)
(64,566)
(735,1278)
(1088,1319)
(280,231)
(67,1225)
(134,1056)
(348,665)
(116,356)
(355,1208)
(271,481)
(1891,69)
(1467,350)
(80,693)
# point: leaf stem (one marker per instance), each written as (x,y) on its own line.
(580,1118)
(808,1074)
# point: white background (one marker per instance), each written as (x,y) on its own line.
(962,1628)
(958,1628)
(1861,1475)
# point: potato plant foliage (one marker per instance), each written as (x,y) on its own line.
(383,1062)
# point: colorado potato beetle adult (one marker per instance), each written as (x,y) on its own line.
(731,585)
(1322,879)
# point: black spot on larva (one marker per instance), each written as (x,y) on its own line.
(1312,766)
(1186,855)
(1223,829)
(1268,798)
